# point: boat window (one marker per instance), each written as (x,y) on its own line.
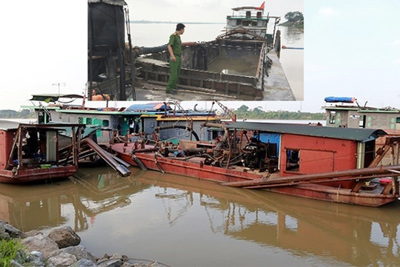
(398,120)
(292,160)
(362,122)
(106,123)
(96,121)
(246,23)
(332,117)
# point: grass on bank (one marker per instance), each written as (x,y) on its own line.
(8,251)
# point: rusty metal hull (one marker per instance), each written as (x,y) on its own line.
(338,195)
(35,175)
(222,175)
(191,169)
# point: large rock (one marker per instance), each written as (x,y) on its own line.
(64,237)
(40,243)
(61,260)
(36,258)
(84,263)
(78,251)
(10,231)
(3,233)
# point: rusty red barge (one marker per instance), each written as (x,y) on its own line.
(331,164)
(38,152)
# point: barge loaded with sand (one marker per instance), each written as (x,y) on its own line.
(242,63)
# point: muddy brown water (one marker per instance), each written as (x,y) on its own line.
(181,221)
(234,65)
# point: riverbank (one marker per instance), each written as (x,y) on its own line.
(61,247)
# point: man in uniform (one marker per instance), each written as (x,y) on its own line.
(175,62)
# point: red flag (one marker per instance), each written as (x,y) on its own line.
(261,7)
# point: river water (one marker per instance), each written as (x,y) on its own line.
(181,221)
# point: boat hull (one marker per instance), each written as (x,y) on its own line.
(222,175)
(36,175)
(338,195)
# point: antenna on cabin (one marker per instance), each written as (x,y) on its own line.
(58,85)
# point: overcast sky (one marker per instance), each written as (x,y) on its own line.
(203,10)
(352,47)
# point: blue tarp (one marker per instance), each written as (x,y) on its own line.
(148,107)
(273,138)
(334,99)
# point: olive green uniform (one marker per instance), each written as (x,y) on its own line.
(174,67)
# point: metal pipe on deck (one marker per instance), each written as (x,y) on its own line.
(107,157)
(316,176)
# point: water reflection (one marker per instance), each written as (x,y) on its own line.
(292,35)
(167,207)
(41,206)
(292,60)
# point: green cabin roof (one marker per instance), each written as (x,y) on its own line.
(361,135)
(362,109)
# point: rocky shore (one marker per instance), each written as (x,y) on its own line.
(60,248)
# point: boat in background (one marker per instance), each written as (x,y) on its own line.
(153,121)
(139,123)
(348,113)
(38,152)
(331,164)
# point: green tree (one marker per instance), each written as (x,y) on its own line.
(258,112)
(243,109)
(294,16)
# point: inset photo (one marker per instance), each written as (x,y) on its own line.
(201,53)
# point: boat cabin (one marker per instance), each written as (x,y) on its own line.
(250,19)
(30,152)
(294,149)
(107,121)
(362,117)
(345,112)
(141,119)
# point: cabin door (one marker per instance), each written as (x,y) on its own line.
(369,153)
(51,146)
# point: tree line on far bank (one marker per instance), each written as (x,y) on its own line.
(243,112)
(12,114)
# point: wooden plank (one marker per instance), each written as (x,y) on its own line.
(357,187)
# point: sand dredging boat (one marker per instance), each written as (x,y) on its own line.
(242,63)
(331,164)
(334,164)
(236,65)
(38,152)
